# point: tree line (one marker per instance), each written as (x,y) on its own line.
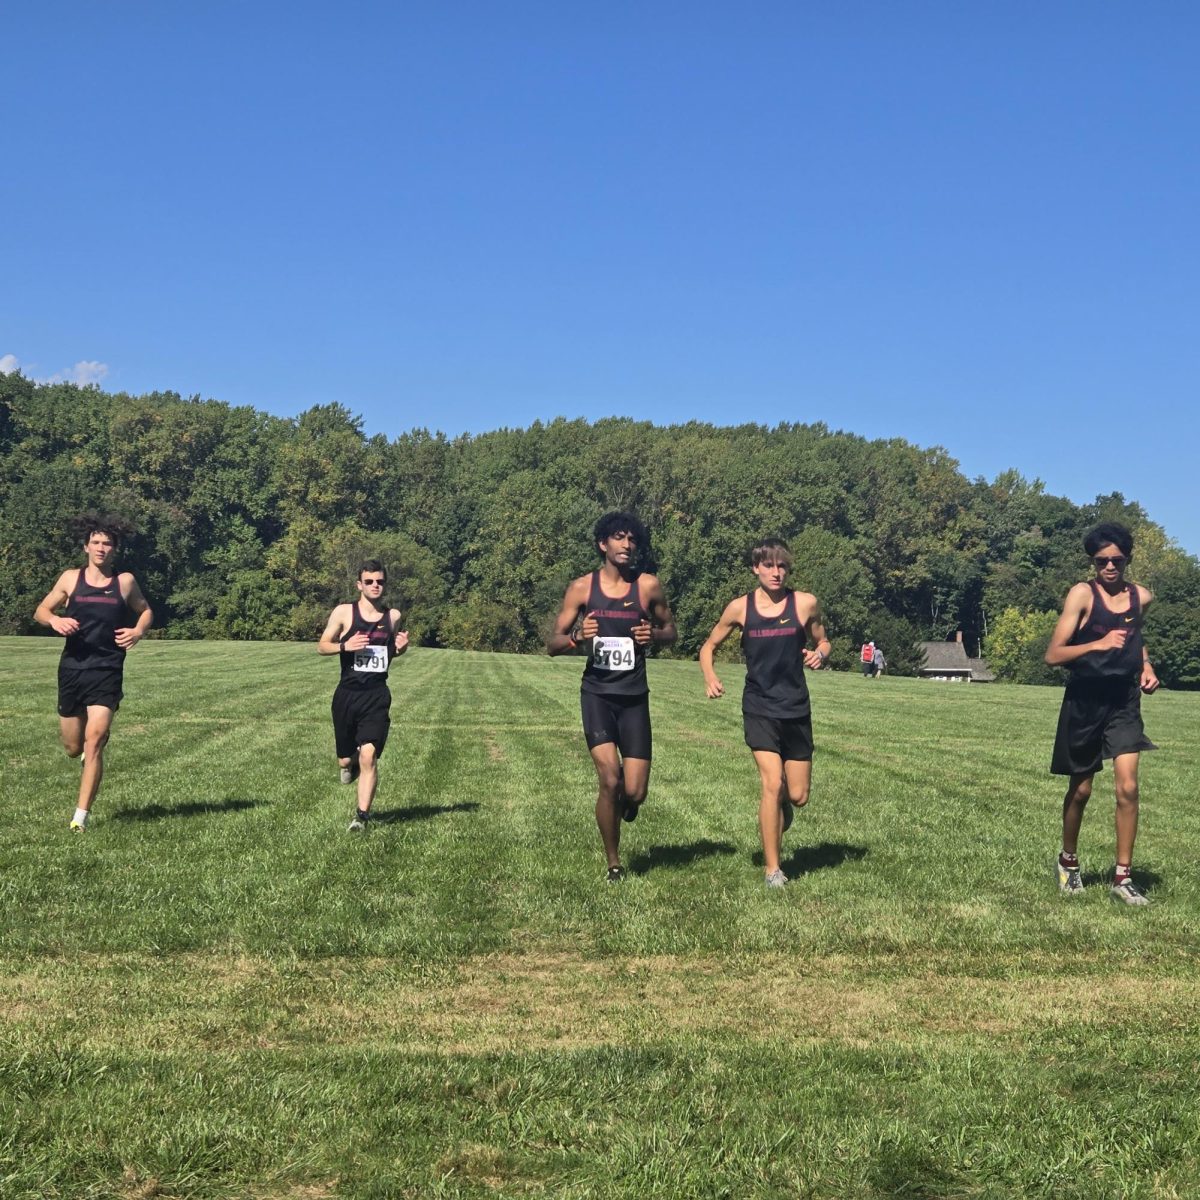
(250,526)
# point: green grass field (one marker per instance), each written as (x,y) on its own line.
(218,992)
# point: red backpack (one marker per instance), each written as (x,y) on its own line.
(867,655)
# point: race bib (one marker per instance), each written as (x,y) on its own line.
(613,654)
(371,660)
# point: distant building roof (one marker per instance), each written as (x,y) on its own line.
(949,658)
(939,657)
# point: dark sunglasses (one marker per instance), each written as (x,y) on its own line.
(1117,560)
(379,582)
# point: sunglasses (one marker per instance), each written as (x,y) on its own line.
(379,582)
(1117,560)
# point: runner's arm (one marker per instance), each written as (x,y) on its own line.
(330,642)
(816,658)
(1149,678)
(732,618)
(401,638)
(125,638)
(562,641)
(56,597)
(661,628)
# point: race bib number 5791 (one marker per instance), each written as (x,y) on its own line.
(371,660)
(613,653)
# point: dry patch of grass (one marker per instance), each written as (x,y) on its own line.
(561,1001)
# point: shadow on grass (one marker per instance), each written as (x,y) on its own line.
(676,856)
(805,859)
(1145,879)
(419,812)
(194,808)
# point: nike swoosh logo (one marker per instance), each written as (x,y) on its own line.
(627,603)
(784,620)
(1128,620)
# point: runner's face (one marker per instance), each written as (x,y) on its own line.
(370,584)
(772,575)
(619,549)
(99,548)
(1108,571)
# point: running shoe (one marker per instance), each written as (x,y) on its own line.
(1070,881)
(615,875)
(346,774)
(77,826)
(789,814)
(359,823)
(776,879)
(1128,892)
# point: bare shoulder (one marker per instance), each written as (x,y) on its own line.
(806,602)
(1145,595)
(579,588)
(735,611)
(396,617)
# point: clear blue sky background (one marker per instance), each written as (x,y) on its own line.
(972,225)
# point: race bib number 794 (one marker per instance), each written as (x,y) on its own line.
(613,653)
(371,660)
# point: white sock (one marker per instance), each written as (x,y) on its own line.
(80,817)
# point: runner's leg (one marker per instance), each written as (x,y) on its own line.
(95,738)
(608,797)
(1079,792)
(1125,773)
(770,818)
(70,729)
(368,776)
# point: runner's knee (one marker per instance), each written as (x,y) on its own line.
(797,793)
(1127,793)
(366,755)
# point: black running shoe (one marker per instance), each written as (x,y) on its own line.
(616,874)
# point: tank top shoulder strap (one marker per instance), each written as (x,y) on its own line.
(79,580)
(1135,600)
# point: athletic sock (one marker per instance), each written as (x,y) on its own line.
(80,817)
(1068,861)
(1121,874)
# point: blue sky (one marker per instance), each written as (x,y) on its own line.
(971,225)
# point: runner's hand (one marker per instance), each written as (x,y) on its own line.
(401,641)
(64,625)
(642,632)
(359,641)
(814,660)
(1149,680)
(590,627)
(1114,639)
(127,638)
(715,688)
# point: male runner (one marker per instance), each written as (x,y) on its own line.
(776,624)
(623,610)
(106,615)
(367,636)
(1098,639)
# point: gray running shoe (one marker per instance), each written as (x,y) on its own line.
(346,774)
(1128,892)
(789,814)
(359,823)
(1070,881)
(776,879)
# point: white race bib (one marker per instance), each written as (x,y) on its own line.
(371,660)
(613,654)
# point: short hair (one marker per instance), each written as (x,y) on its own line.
(1109,533)
(771,550)
(623,522)
(372,564)
(87,524)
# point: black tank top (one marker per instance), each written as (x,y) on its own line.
(774,651)
(368,668)
(100,611)
(617,664)
(1105,664)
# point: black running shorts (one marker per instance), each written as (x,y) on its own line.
(361,715)
(81,687)
(790,738)
(1099,719)
(621,719)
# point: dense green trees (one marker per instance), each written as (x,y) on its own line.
(250,526)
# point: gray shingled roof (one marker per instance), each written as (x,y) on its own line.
(980,671)
(944,656)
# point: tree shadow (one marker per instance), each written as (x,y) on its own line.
(419,812)
(677,856)
(192,808)
(806,859)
